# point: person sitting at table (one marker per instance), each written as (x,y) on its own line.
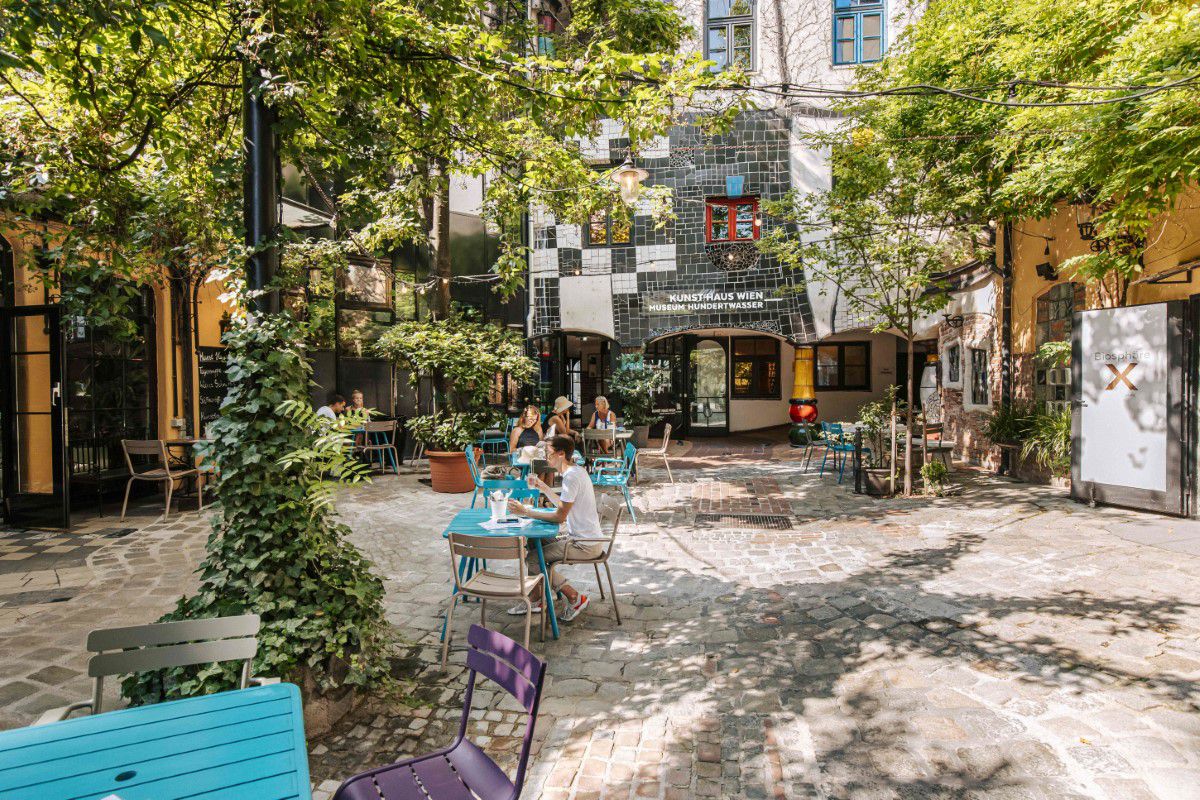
(577,507)
(603,419)
(528,430)
(559,423)
(335,406)
(356,401)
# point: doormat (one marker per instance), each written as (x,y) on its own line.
(774,522)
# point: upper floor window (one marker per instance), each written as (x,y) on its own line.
(729,34)
(858,28)
(602,230)
(731,220)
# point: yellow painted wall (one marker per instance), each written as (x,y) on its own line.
(1173,240)
(26,239)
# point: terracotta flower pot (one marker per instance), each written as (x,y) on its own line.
(448,471)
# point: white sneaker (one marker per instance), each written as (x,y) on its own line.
(573,610)
(519,609)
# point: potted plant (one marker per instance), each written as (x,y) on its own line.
(934,475)
(636,383)
(875,421)
(462,357)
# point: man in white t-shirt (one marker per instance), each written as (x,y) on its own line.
(331,410)
(576,506)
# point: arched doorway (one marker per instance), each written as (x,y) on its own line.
(708,401)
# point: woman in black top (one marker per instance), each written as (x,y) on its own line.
(527,431)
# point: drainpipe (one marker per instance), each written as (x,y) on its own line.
(260,191)
(1006,359)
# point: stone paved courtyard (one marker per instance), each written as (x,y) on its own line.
(1003,644)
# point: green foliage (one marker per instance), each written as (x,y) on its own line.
(1048,441)
(122,117)
(636,383)
(1010,424)
(275,549)
(463,358)
(448,431)
(1131,159)
(1054,354)
(876,421)
(326,460)
(934,474)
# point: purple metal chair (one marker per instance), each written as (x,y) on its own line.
(462,771)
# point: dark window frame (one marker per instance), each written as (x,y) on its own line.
(730,204)
(728,24)
(841,385)
(757,392)
(977,386)
(608,233)
(954,363)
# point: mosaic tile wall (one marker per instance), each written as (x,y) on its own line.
(676,258)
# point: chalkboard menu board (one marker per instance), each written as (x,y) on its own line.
(213,383)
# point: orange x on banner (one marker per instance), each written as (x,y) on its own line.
(1122,377)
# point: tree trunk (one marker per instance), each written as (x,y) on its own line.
(908,422)
(440,268)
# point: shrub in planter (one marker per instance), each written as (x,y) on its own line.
(636,383)
(276,549)
(1010,424)
(463,357)
(1048,442)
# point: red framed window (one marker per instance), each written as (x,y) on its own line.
(731,220)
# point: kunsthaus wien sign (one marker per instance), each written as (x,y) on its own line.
(699,302)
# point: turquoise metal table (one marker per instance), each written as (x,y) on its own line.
(238,745)
(468,521)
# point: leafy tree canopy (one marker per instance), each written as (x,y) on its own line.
(1130,158)
(123,118)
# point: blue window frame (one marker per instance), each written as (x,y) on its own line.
(858,31)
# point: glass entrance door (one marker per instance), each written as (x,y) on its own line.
(31,418)
(709,396)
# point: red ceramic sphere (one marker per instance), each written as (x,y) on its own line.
(803,412)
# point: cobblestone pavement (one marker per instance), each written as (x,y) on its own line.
(1002,644)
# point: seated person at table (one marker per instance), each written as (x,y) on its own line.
(356,401)
(559,423)
(577,507)
(333,408)
(603,419)
(527,431)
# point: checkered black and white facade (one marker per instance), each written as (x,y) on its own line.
(607,290)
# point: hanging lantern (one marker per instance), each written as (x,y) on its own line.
(629,178)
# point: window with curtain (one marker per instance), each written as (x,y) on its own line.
(756,367)
(858,31)
(845,366)
(729,34)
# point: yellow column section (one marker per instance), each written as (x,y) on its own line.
(802,385)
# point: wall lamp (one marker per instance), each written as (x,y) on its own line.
(955,321)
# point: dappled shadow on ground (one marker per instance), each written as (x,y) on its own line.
(867,684)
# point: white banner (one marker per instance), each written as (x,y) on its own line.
(1123,422)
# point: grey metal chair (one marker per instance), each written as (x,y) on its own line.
(593,443)
(660,452)
(163,473)
(142,648)
(380,437)
(610,509)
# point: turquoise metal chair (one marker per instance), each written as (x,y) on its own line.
(488,484)
(617,474)
(835,442)
(500,443)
